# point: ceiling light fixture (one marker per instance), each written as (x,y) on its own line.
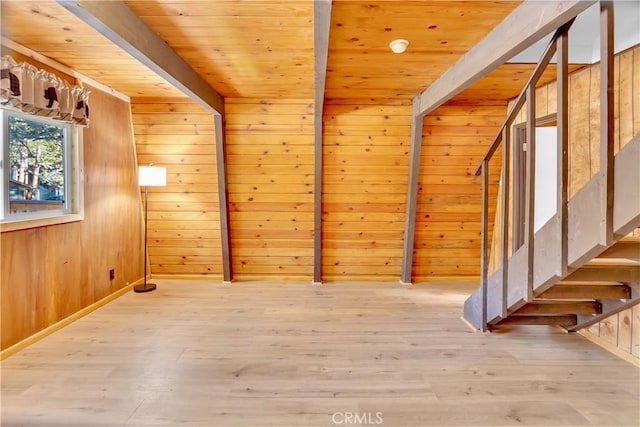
(399,45)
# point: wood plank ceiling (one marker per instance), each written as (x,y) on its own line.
(51,30)
(264,48)
(361,64)
(241,48)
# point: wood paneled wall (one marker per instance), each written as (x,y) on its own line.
(584,113)
(365,155)
(50,273)
(584,119)
(270,167)
(184,216)
(447,239)
(621,330)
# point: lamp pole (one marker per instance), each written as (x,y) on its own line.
(146,287)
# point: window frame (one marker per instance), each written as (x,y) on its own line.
(73,209)
(519,176)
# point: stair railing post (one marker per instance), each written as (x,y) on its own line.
(530,181)
(606,120)
(504,232)
(484,262)
(562,56)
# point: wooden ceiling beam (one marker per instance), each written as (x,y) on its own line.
(117,22)
(321,26)
(527,24)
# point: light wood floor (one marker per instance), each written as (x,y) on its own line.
(293,354)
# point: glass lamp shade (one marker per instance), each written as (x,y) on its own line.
(152,176)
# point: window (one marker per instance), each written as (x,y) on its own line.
(40,171)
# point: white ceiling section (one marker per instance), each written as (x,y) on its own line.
(584,36)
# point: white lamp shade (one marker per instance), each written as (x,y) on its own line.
(152,176)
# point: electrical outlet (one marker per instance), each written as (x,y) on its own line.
(112,274)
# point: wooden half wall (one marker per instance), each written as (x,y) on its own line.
(622,331)
(50,273)
(184,217)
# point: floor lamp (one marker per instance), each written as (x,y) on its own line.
(149,176)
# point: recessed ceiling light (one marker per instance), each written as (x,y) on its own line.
(399,45)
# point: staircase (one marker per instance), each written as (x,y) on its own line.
(583,265)
(604,286)
(594,281)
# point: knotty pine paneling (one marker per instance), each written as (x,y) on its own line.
(360,64)
(240,47)
(50,273)
(184,216)
(447,230)
(365,167)
(270,166)
(49,29)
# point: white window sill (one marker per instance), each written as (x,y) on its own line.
(23,224)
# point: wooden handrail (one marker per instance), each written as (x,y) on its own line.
(520,100)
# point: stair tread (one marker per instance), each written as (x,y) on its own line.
(562,320)
(627,248)
(552,301)
(625,271)
(587,283)
(559,307)
(612,262)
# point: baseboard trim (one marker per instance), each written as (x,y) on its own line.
(419,280)
(216,277)
(610,347)
(10,351)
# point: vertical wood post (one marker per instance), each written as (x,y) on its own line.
(606,120)
(223,198)
(562,56)
(484,249)
(504,234)
(317,200)
(321,25)
(412,193)
(530,181)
